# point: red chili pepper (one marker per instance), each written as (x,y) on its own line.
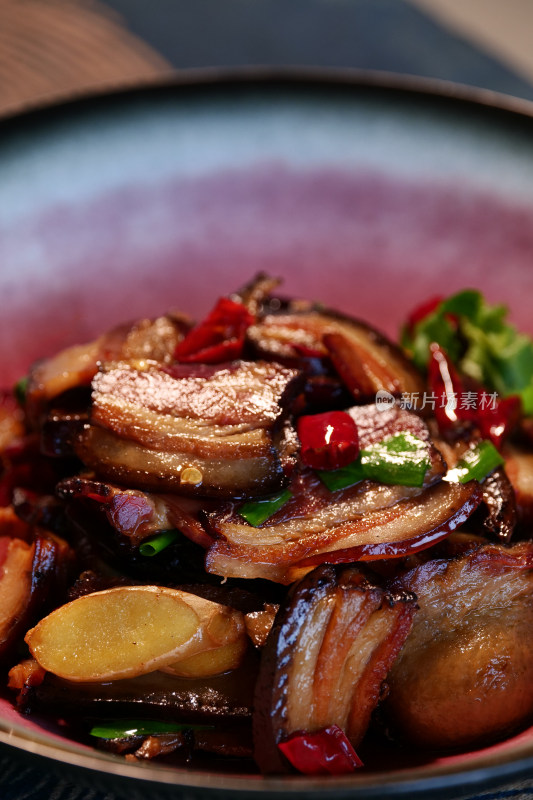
(329,440)
(422,311)
(447,388)
(324,752)
(496,420)
(220,337)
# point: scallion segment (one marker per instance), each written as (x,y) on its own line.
(151,547)
(476,463)
(401,459)
(122,729)
(256,512)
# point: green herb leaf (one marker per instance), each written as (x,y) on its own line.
(151,547)
(401,459)
(476,464)
(122,729)
(20,389)
(484,346)
(258,511)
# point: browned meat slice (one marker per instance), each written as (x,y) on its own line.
(189,429)
(138,515)
(326,658)
(365,360)
(365,522)
(498,512)
(465,674)
(499,500)
(75,366)
(519,469)
(30,574)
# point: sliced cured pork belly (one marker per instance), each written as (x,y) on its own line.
(190,429)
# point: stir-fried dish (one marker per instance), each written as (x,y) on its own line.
(273,536)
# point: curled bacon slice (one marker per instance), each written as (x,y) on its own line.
(326,658)
(138,515)
(189,429)
(364,523)
(465,674)
(365,360)
(76,366)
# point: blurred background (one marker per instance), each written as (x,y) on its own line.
(50,49)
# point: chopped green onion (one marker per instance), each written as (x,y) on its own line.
(20,389)
(122,729)
(258,511)
(476,463)
(401,459)
(151,547)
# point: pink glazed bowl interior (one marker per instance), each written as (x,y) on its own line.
(367,198)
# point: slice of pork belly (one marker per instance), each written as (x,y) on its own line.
(189,429)
(366,522)
(364,359)
(326,658)
(75,366)
(465,674)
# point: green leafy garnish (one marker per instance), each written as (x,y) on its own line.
(480,342)
(153,546)
(258,511)
(476,463)
(401,459)
(20,390)
(122,729)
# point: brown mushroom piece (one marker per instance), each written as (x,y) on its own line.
(326,658)
(465,674)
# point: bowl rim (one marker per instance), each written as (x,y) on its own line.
(485,768)
(298,77)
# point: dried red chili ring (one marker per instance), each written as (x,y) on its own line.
(447,390)
(324,752)
(329,440)
(220,337)
(497,419)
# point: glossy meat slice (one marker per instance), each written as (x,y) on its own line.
(465,674)
(365,522)
(519,469)
(75,366)
(30,576)
(326,658)
(138,515)
(190,429)
(365,360)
